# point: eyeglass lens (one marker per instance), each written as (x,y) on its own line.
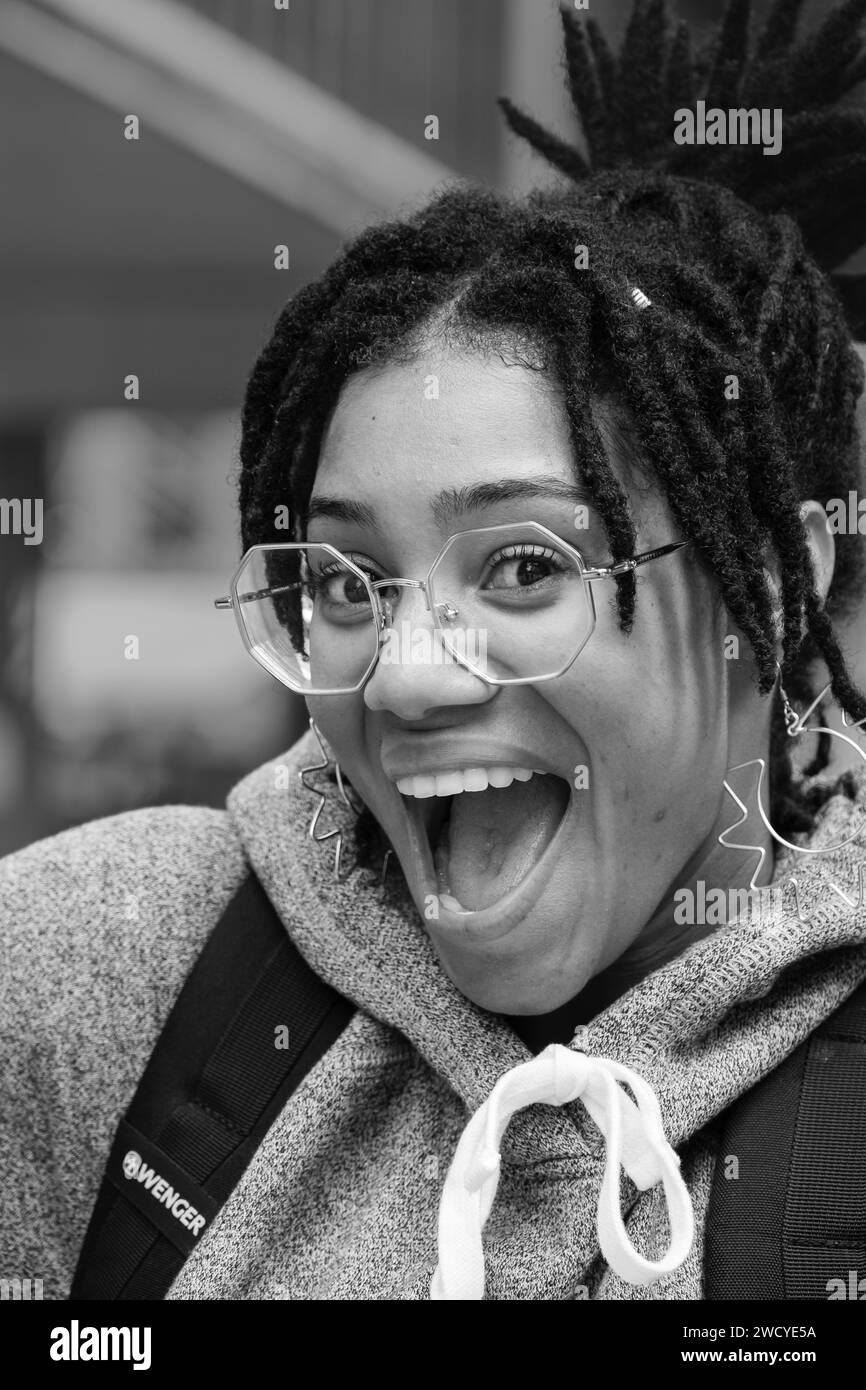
(508,602)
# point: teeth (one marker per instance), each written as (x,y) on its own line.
(468,779)
(421,786)
(475,779)
(449,783)
(500,776)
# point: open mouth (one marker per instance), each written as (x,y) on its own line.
(488,836)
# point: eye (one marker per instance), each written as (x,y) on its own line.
(338,588)
(524,567)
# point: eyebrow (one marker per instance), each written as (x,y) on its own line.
(453,502)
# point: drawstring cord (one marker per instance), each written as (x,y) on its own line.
(635,1140)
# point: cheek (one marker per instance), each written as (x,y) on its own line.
(343,724)
(650,710)
(340,722)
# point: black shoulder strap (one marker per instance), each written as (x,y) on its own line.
(787,1212)
(250,1021)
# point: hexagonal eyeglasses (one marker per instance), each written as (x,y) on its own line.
(513,604)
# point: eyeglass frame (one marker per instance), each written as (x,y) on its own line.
(589,574)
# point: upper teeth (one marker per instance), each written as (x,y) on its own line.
(467,779)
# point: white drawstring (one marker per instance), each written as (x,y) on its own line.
(635,1141)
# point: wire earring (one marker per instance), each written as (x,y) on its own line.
(315,834)
(354,806)
(795,724)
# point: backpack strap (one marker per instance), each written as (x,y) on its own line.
(789,1217)
(251,1020)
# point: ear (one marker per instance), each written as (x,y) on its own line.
(822,546)
(822,550)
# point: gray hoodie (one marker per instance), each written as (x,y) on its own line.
(100,925)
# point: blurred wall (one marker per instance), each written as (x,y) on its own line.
(154,257)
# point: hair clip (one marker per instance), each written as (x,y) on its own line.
(641,300)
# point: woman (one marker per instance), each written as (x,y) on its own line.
(557,587)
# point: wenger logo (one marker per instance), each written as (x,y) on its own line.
(137,1171)
(131,1164)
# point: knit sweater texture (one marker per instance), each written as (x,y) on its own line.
(100,925)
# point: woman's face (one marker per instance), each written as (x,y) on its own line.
(562,871)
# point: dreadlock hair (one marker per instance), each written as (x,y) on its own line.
(735,252)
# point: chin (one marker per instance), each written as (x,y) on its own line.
(521,981)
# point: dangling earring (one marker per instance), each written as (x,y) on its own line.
(795,725)
(313,832)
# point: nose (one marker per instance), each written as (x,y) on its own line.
(415,673)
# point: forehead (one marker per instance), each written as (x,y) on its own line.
(400,433)
(448,411)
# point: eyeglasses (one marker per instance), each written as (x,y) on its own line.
(513,604)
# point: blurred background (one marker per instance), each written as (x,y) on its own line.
(260,124)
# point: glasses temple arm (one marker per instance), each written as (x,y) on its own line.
(659,552)
(626,566)
(256,594)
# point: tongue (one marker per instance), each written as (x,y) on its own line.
(495,837)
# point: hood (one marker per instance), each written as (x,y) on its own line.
(700,1031)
